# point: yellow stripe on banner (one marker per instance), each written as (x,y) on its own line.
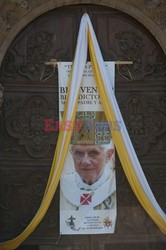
(120,146)
(52,184)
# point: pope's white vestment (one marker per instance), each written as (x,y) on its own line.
(77,195)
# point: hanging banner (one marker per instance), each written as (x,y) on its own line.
(88,184)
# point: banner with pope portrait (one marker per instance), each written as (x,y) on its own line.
(88,183)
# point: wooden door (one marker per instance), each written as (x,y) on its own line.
(26,151)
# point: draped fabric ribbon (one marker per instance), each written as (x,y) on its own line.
(121,138)
(124,147)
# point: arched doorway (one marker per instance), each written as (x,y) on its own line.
(26,151)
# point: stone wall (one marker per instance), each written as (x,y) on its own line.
(16,14)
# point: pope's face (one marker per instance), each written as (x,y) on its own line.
(90,161)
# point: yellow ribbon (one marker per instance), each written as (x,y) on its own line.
(119,144)
(53,180)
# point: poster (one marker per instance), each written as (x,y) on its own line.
(88,183)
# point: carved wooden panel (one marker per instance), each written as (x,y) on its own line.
(26,150)
(22,129)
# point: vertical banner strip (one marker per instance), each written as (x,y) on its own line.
(88,184)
